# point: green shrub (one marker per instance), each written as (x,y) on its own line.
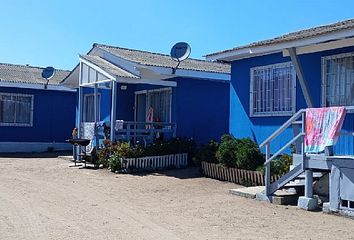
(114,162)
(278,166)
(248,155)
(240,153)
(207,153)
(226,153)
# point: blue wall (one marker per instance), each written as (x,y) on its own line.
(259,128)
(53,117)
(201,109)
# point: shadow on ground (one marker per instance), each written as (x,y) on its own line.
(36,155)
(185,173)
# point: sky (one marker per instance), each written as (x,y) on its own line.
(53,32)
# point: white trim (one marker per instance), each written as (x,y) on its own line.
(237,54)
(347,42)
(96,68)
(323,71)
(36,86)
(147,81)
(202,75)
(16,147)
(293,97)
(30,124)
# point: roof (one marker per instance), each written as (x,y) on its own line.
(307,33)
(108,67)
(164,60)
(28,74)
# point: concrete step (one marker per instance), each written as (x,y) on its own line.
(283,197)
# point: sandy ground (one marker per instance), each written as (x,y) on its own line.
(44,198)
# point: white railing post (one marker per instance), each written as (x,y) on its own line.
(267,171)
(113,110)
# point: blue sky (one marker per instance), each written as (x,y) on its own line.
(53,32)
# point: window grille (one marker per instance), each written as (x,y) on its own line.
(16,109)
(338,80)
(272,90)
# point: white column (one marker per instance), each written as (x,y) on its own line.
(79,112)
(113,109)
(96,114)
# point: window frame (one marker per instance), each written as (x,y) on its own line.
(84,117)
(324,75)
(30,124)
(293,92)
(148,99)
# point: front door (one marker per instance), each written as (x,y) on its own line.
(140,107)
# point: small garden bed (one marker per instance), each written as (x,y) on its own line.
(239,161)
(123,157)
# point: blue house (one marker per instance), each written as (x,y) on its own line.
(143,95)
(273,82)
(273,79)
(34,116)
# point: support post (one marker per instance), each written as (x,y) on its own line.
(96,113)
(300,74)
(267,171)
(113,110)
(308,183)
(79,113)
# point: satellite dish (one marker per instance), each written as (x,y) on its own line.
(180,51)
(48,73)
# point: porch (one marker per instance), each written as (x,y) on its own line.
(122,107)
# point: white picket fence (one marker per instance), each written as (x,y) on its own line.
(154,162)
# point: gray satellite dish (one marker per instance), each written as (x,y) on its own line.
(179,52)
(48,73)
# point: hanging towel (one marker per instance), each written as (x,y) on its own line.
(323,126)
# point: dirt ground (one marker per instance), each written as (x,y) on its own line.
(44,198)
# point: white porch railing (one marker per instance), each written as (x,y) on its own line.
(145,131)
(154,162)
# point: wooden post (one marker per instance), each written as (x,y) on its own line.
(113,110)
(267,171)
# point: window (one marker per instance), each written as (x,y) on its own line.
(338,80)
(89,107)
(160,101)
(272,90)
(16,109)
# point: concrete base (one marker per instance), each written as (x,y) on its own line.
(261,196)
(308,204)
(248,192)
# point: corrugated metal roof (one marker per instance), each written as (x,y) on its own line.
(108,67)
(28,74)
(162,60)
(311,32)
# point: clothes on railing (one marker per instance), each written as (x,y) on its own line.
(323,127)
